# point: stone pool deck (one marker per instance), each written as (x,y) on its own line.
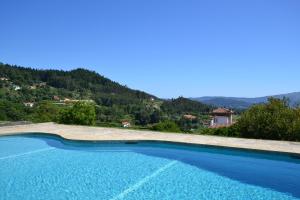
(73,132)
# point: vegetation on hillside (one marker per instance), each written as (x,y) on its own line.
(183,105)
(60,96)
(80,113)
(76,84)
(167,126)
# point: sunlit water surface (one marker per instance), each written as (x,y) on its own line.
(43,167)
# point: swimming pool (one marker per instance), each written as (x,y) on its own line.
(38,166)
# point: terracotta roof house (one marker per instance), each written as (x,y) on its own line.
(56,98)
(126,124)
(222,117)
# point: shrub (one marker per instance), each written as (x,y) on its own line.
(166,126)
(80,113)
(186,125)
(45,112)
(11,111)
(273,120)
(232,131)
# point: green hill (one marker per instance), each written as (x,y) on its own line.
(46,92)
(75,84)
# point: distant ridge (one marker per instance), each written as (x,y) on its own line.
(244,103)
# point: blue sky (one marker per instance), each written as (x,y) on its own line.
(164,47)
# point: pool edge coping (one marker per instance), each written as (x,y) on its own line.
(147,136)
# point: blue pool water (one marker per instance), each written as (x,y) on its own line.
(47,167)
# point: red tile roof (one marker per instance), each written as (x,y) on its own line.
(222,111)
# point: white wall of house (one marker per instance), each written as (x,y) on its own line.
(221,120)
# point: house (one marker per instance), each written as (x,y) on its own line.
(222,117)
(16,87)
(126,124)
(36,85)
(4,79)
(29,104)
(189,117)
(56,98)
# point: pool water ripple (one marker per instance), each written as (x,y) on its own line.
(27,153)
(40,167)
(140,183)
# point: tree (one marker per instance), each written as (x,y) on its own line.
(166,126)
(11,111)
(273,120)
(142,117)
(45,112)
(187,125)
(80,113)
(155,117)
(183,105)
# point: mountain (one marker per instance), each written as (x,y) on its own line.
(75,84)
(176,106)
(224,102)
(23,90)
(243,103)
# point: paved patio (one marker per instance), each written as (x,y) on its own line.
(73,132)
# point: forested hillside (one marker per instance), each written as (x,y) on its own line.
(176,106)
(78,83)
(42,95)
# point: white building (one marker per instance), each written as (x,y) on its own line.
(29,104)
(126,124)
(221,117)
(4,79)
(16,87)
